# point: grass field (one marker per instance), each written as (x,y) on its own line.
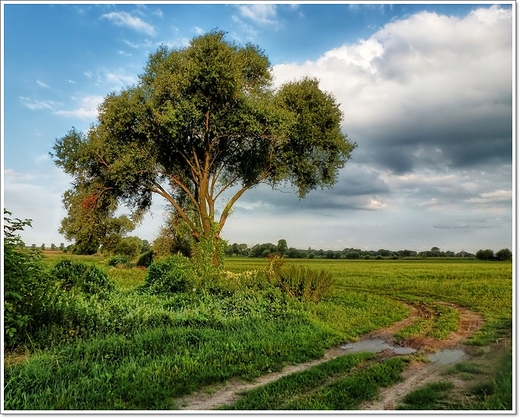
(140,351)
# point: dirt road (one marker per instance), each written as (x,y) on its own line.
(416,375)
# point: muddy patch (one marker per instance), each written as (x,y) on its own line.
(376,345)
(446,356)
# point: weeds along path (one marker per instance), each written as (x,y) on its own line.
(418,373)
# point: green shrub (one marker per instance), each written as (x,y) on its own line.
(88,279)
(120,260)
(170,275)
(26,285)
(305,284)
(68,273)
(145,259)
(128,246)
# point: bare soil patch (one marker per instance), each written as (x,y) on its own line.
(417,374)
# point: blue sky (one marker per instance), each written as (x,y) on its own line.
(426,90)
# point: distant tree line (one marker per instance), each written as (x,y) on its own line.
(266,249)
(127,246)
(170,240)
(502,255)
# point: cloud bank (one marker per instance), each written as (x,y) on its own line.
(428,99)
(426,91)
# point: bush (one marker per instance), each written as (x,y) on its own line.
(88,279)
(145,259)
(305,284)
(120,260)
(170,275)
(26,285)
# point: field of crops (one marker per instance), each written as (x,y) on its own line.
(133,350)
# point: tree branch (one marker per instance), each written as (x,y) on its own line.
(186,190)
(232,201)
(227,186)
(160,191)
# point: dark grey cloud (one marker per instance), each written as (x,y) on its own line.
(358,188)
(426,90)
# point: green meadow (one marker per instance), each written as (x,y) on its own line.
(136,350)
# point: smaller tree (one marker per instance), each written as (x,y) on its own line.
(352,255)
(145,246)
(282,247)
(42,247)
(130,246)
(53,247)
(173,238)
(504,255)
(485,254)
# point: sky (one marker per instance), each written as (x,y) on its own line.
(426,91)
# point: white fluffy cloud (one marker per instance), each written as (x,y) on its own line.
(259,13)
(126,19)
(35,104)
(87,109)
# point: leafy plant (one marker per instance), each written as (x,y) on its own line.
(304,283)
(120,260)
(145,259)
(88,279)
(25,283)
(170,275)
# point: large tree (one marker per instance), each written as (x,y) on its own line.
(205,122)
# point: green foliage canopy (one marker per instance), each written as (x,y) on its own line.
(90,228)
(201,121)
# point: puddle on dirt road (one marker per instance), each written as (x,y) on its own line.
(445,356)
(375,345)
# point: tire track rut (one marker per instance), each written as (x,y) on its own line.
(418,373)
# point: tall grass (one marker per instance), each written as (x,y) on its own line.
(134,350)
